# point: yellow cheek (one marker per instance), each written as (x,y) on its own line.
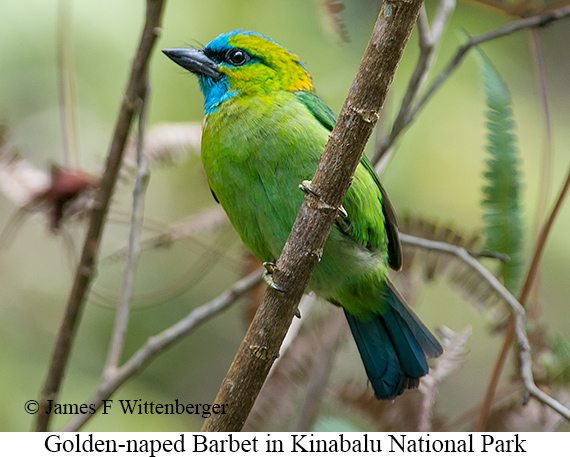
(252,78)
(257,77)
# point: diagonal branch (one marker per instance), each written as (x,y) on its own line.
(86,267)
(517,309)
(525,293)
(157,344)
(321,370)
(535,21)
(429,40)
(547,152)
(303,249)
(66,85)
(133,250)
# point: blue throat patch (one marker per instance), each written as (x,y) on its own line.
(214,92)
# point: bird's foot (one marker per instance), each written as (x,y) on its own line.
(305,186)
(268,276)
(342,220)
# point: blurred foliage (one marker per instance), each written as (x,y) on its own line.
(423,266)
(436,173)
(502,190)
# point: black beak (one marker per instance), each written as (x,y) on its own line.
(194,60)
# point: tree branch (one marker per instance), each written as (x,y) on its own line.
(518,314)
(303,249)
(66,85)
(453,357)
(321,370)
(411,112)
(157,344)
(525,293)
(133,250)
(86,268)
(429,40)
(547,153)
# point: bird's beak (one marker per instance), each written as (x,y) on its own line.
(194,60)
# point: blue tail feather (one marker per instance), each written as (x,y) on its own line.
(429,345)
(378,355)
(394,346)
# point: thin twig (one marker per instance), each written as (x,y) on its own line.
(517,309)
(553,422)
(203,222)
(303,249)
(66,84)
(488,400)
(158,344)
(214,253)
(527,287)
(429,40)
(463,255)
(547,153)
(133,250)
(489,255)
(321,370)
(536,21)
(86,268)
(453,425)
(164,235)
(449,362)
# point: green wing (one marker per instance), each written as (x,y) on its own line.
(327,118)
(390,221)
(318,108)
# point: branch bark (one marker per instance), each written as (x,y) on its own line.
(85,271)
(359,114)
(133,250)
(429,42)
(158,344)
(517,317)
(408,116)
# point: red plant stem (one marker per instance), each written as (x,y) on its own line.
(527,287)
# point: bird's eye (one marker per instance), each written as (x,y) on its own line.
(237,56)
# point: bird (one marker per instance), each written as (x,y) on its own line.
(263,132)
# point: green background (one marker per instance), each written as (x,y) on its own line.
(436,172)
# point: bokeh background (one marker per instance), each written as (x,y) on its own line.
(436,172)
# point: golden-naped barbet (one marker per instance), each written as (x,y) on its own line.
(263,133)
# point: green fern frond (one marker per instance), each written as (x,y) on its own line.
(502,190)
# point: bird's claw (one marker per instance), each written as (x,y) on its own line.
(305,186)
(268,276)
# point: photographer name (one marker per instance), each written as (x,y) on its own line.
(138,406)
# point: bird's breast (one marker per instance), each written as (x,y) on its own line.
(256,152)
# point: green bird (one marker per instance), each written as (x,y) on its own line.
(263,133)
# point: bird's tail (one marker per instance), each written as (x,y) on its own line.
(394,346)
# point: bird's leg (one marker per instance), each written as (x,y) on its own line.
(268,278)
(341,217)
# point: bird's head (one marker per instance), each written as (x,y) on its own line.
(240,62)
